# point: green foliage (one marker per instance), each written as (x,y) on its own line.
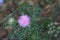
(35,31)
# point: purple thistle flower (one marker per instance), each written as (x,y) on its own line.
(24,21)
(1,2)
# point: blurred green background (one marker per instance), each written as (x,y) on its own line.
(44,14)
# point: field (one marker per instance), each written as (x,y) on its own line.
(29,19)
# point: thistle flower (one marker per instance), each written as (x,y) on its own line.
(24,21)
(1,2)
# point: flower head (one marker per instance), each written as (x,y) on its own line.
(1,2)
(24,21)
